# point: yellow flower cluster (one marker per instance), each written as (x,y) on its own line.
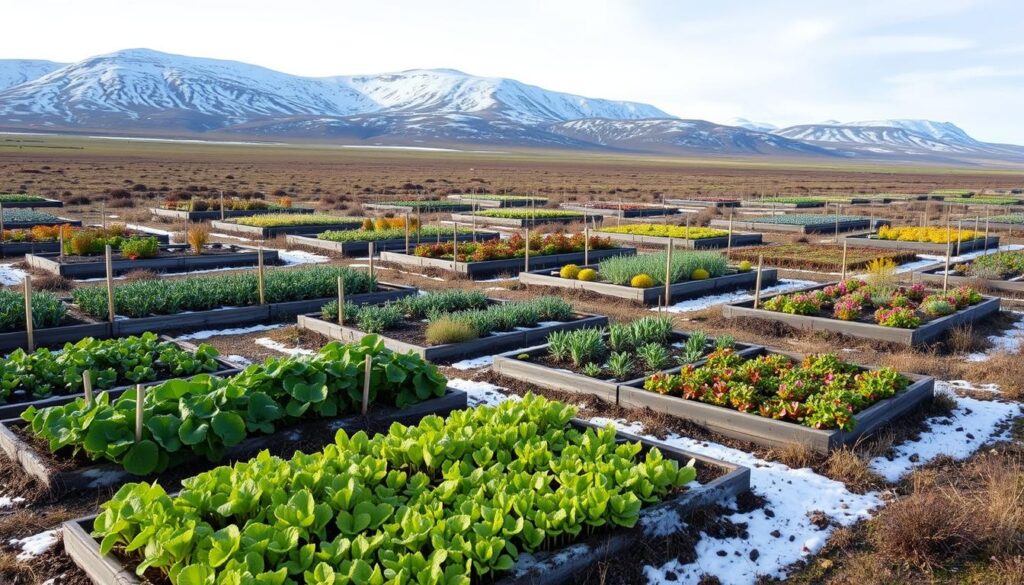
(666,231)
(935,235)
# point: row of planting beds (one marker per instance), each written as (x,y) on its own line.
(819,257)
(906,315)
(520,218)
(613,209)
(44,239)
(171,305)
(451,325)
(926,239)
(705,202)
(275,224)
(208,419)
(1011,221)
(489,200)
(357,242)
(999,271)
(641,278)
(206,209)
(146,254)
(524,542)
(652,234)
(17,200)
(508,256)
(423,205)
(799,223)
(20,219)
(750,393)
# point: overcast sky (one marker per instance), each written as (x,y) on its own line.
(783,61)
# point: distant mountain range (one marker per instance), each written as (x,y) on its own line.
(148,93)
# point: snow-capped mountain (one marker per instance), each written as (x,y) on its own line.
(145,92)
(17,71)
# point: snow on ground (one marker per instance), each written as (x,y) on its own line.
(735,297)
(481,393)
(277,346)
(296,257)
(208,333)
(1008,342)
(473,364)
(230,237)
(148,230)
(9,275)
(8,501)
(240,360)
(971,255)
(35,545)
(971,424)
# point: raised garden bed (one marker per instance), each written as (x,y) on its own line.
(610,209)
(171,258)
(542,562)
(489,268)
(26,243)
(539,367)
(20,219)
(925,332)
(722,202)
(423,206)
(661,235)
(185,215)
(1011,221)
(999,271)
(799,223)
(20,398)
(311,224)
(770,432)
(521,218)
(488,201)
(300,396)
(411,333)
(17,200)
(652,295)
(930,240)
(783,203)
(362,247)
(819,257)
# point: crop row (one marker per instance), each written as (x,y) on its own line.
(38,233)
(110,362)
(666,231)
(167,297)
(1013,218)
(47,310)
(998,266)
(978,200)
(818,257)
(450,501)
(649,269)
(18,215)
(935,235)
(528,213)
(491,197)
(425,204)
(205,415)
(291,219)
(513,247)
(19,198)
(377,235)
(805,219)
(231,204)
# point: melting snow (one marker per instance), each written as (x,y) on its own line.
(702,303)
(1008,342)
(474,363)
(35,545)
(7,501)
(296,257)
(9,275)
(232,331)
(276,346)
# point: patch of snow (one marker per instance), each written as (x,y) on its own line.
(296,257)
(208,333)
(1008,342)
(240,360)
(35,545)
(9,275)
(276,346)
(971,424)
(480,393)
(475,363)
(971,255)
(8,501)
(148,230)
(699,304)
(229,236)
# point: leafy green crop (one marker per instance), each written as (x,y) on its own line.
(447,502)
(390,234)
(206,415)
(529,213)
(291,219)
(47,310)
(167,297)
(111,362)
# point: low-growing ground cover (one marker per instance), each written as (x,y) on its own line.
(624,352)
(960,192)
(997,266)
(450,316)
(886,305)
(39,233)
(982,200)
(110,362)
(167,297)
(19,198)
(818,256)
(787,200)
(230,204)
(529,213)
(513,247)
(821,392)
(425,204)
(17,215)
(614,205)
(647,270)
(206,415)
(1012,218)
(405,506)
(935,235)
(93,241)
(376,235)
(805,219)
(666,231)
(292,219)
(505,198)
(47,310)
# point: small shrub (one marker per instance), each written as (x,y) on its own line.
(587,274)
(569,271)
(744,266)
(446,330)
(641,281)
(135,248)
(197,236)
(700,274)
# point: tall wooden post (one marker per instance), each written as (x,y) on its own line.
(586,246)
(140,399)
(668,272)
(260,274)
(986,237)
(959,235)
(87,386)
(110,282)
(341,301)
(222,205)
(843,277)
(474,222)
(367,372)
(945,273)
(837,221)
(103,213)
(370,248)
(1,222)
(728,242)
(406,232)
(29,324)
(526,257)
(757,282)
(60,241)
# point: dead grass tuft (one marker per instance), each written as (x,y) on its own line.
(796,456)
(138,275)
(849,467)
(52,283)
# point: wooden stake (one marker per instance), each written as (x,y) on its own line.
(945,274)
(406,232)
(986,237)
(103,213)
(341,301)
(686,231)
(728,243)
(419,226)
(586,246)
(526,257)
(837,221)
(60,241)
(87,386)
(843,277)
(110,282)
(618,220)
(368,369)
(260,274)
(222,205)
(370,247)
(29,324)
(140,398)
(959,234)
(1,222)
(757,282)
(474,222)
(668,272)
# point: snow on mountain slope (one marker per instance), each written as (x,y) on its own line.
(751,125)
(17,71)
(944,131)
(898,139)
